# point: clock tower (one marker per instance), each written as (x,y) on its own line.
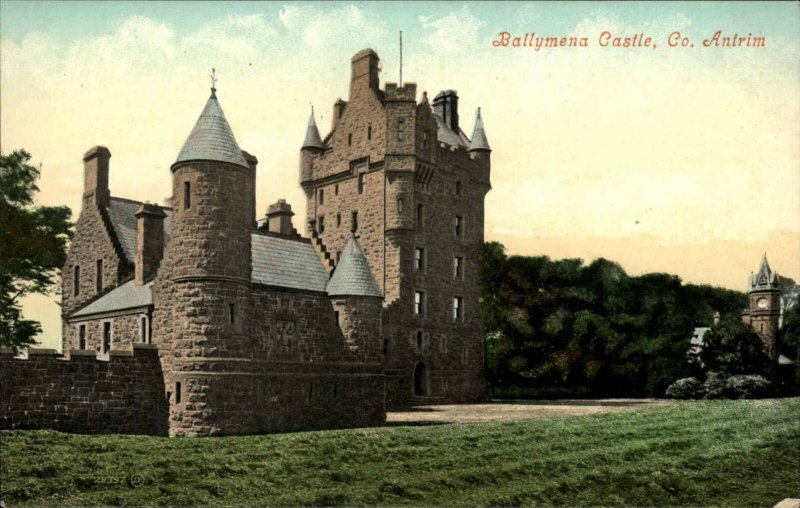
(764,309)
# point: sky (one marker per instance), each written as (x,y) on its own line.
(683,160)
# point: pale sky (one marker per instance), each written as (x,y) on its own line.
(678,160)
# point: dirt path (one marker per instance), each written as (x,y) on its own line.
(515,410)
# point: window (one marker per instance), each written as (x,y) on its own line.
(458,267)
(425,138)
(231,313)
(369,132)
(385,347)
(420,214)
(419,303)
(458,187)
(338,220)
(82,337)
(349,139)
(187,195)
(76,280)
(459,223)
(321,196)
(336,190)
(99,275)
(321,223)
(401,129)
(177,392)
(336,317)
(362,182)
(143,329)
(419,259)
(458,309)
(106,336)
(420,340)
(399,205)
(354,222)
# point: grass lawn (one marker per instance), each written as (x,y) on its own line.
(733,453)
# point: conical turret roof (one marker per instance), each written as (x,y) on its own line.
(765,278)
(479,141)
(313,140)
(211,138)
(352,276)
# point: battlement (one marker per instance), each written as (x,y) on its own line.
(407,92)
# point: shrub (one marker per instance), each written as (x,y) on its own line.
(714,386)
(747,386)
(686,388)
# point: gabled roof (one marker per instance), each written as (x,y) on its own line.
(211,138)
(446,135)
(288,263)
(122,213)
(352,276)
(126,296)
(479,141)
(312,139)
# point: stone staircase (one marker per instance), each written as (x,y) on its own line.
(326,257)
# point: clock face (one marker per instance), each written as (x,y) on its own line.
(762,303)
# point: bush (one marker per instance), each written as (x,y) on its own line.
(714,386)
(686,388)
(747,386)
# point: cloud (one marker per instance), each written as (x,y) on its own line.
(455,33)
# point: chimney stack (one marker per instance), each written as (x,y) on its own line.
(95,176)
(365,68)
(279,218)
(445,104)
(149,241)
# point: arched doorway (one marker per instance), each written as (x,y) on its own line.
(420,380)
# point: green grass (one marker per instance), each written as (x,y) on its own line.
(733,453)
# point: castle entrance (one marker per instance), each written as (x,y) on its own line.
(420,380)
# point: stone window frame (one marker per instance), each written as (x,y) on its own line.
(401,128)
(419,340)
(443,344)
(321,224)
(78,328)
(459,226)
(336,189)
(321,193)
(178,394)
(187,194)
(354,221)
(419,303)
(338,220)
(458,309)
(399,206)
(458,187)
(76,280)
(145,329)
(349,139)
(420,261)
(420,219)
(458,267)
(98,275)
(362,182)
(103,322)
(387,346)
(369,132)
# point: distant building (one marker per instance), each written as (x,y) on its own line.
(764,310)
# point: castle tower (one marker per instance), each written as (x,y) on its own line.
(405,178)
(764,310)
(201,291)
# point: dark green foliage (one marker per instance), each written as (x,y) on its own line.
(704,453)
(789,346)
(32,246)
(686,388)
(732,347)
(589,330)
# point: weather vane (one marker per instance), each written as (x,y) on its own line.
(213,78)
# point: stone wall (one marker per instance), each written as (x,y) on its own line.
(124,394)
(126,330)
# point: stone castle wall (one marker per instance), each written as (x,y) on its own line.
(84,394)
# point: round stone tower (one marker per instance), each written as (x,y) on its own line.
(201,292)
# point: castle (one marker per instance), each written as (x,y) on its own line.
(199,319)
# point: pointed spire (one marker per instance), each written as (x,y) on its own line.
(211,138)
(313,139)
(352,276)
(765,278)
(479,141)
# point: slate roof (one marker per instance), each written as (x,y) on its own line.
(312,139)
(287,263)
(446,135)
(352,276)
(765,278)
(211,138)
(479,141)
(126,296)
(122,213)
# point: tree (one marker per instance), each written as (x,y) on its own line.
(732,347)
(33,241)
